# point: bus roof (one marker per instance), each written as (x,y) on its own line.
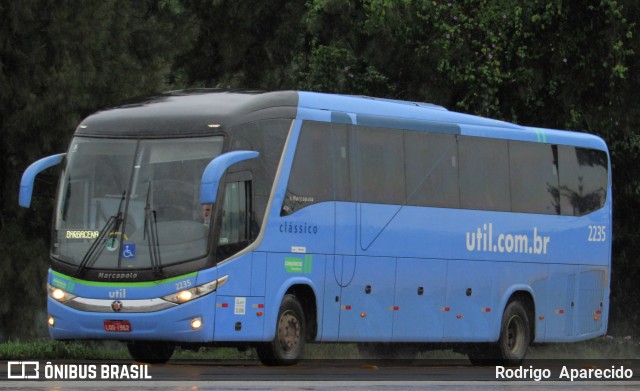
(426,117)
(201,112)
(188,113)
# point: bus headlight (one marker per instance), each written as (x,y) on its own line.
(194,293)
(59,294)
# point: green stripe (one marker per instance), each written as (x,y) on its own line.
(308,259)
(124,284)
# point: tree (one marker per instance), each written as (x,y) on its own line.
(59,62)
(243,44)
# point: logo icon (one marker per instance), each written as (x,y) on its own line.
(24,366)
(116,306)
(112,244)
(129,251)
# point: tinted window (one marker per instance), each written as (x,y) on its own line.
(268,138)
(379,165)
(311,178)
(234,223)
(341,155)
(432,169)
(583,180)
(484,174)
(534,178)
(390,166)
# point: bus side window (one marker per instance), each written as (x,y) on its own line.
(431,169)
(379,165)
(234,234)
(583,180)
(311,179)
(484,174)
(534,178)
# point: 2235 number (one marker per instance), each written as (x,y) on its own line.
(183,285)
(597,233)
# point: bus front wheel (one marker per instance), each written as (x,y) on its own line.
(151,352)
(288,343)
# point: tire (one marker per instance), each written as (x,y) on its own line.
(515,336)
(151,352)
(288,344)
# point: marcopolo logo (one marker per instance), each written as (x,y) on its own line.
(119,276)
(485,240)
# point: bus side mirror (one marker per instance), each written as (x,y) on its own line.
(216,168)
(29,176)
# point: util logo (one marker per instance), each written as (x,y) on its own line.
(118,294)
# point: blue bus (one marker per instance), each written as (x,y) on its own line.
(271,220)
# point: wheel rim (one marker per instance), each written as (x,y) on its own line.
(289,331)
(515,334)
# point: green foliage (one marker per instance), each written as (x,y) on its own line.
(340,69)
(59,62)
(607,347)
(600,348)
(103,350)
(243,44)
(52,350)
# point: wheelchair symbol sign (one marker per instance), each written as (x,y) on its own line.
(128,251)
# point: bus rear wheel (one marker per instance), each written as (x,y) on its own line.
(515,336)
(288,344)
(151,352)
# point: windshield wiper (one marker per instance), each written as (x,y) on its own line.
(151,231)
(110,227)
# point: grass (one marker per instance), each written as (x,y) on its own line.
(599,348)
(52,350)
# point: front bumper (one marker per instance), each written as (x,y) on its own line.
(172,324)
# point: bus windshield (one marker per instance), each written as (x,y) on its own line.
(133,204)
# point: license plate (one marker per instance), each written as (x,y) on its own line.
(117,326)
